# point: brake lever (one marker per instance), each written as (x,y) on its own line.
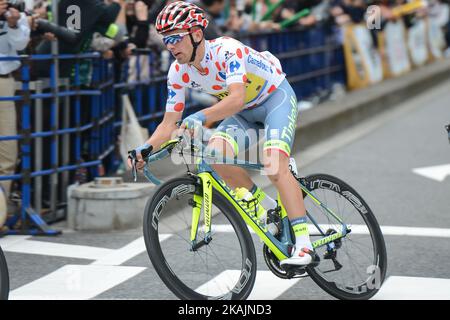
(134,170)
(132,157)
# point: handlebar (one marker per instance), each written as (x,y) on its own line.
(164,151)
(132,156)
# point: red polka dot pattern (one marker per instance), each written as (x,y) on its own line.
(185,77)
(176,86)
(239,53)
(272,88)
(179,107)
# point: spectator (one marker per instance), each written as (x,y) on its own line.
(214,10)
(96,16)
(249,19)
(14,36)
(291,7)
(138,24)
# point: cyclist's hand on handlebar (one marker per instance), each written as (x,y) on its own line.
(137,156)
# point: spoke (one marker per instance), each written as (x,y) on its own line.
(352,264)
(365,255)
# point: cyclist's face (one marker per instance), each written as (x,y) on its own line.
(179,44)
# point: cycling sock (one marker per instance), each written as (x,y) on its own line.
(300,228)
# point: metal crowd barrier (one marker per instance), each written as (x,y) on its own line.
(312,58)
(51,141)
(69,128)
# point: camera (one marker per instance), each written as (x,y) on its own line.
(16,4)
(60,32)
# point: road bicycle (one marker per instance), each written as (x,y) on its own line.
(197,232)
(4,277)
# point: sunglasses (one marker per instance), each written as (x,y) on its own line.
(175,38)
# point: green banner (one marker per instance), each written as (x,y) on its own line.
(286,23)
(271,9)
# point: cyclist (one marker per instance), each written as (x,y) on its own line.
(253,94)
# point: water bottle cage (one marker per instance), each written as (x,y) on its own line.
(250,202)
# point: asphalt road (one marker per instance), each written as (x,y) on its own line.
(376,157)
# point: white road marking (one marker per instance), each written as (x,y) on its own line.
(438,173)
(8,241)
(56,249)
(102,256)
(75,282)
(119,256)
(411,288)
(362,229)
(267,285)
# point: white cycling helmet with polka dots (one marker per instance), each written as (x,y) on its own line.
(180,15)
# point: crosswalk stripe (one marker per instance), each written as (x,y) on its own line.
(414,288)
(101,255)
(75,282)
(119,256)
(267,285)
(56,249)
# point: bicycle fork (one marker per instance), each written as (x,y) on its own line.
(204,200)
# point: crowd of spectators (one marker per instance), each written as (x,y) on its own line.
(116,27)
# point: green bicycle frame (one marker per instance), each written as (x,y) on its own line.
(210,179)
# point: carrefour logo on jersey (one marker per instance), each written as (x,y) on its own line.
(259,64)
(234,66)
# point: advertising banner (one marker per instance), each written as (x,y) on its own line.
(393,44)
(362,59)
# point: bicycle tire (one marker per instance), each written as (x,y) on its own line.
(363,290)
(152,219)
(4,277)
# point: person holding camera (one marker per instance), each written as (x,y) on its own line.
(14,36)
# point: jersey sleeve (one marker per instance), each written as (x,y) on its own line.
(233,55)
(175,89)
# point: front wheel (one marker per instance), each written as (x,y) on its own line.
(225,268)
(4,277)
(356,267)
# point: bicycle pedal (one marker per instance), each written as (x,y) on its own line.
(315,262)
(292,271)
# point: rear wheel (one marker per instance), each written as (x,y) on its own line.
(356,267)
(225,268)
